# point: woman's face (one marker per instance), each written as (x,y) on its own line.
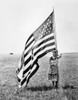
(55,53)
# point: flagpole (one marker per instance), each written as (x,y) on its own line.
(54,28)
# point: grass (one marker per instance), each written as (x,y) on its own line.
(39,87)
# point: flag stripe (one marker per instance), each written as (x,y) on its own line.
(28,49)
(20,74)
(42,48)
(27,61)
(29,38)
(43,51)
(29,44)
(27,69)
(43,44)
(28,55)
(26,76)
(42,54)
(23,81)
(18,79)
(33,71)
(43,39)
(27,65)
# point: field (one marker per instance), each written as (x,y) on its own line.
(39,87)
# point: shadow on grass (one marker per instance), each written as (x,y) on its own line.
(69,87)
(40,88)
(71,92)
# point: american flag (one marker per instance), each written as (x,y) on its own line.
(40,42)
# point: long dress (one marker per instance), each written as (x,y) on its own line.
(53,71)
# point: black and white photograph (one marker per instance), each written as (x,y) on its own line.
(38,49)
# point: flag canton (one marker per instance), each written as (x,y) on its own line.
(45,29)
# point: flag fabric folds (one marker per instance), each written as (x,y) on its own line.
(40,42)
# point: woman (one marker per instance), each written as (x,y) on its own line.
(53,72)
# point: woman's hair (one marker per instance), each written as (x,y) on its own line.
(51,58)
(55,53)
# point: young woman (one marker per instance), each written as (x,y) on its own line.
(53,72)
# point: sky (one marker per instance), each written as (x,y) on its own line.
(20,18)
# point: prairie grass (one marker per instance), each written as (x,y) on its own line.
(39,87)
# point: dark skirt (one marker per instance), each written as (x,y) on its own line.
(53,73)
